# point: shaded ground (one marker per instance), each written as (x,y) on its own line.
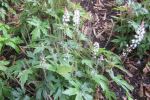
(100,29)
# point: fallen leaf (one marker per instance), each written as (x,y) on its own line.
(146,69)
(141,92)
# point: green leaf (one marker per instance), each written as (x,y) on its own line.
(14,46)
(52,13)
(36,34)
(134,24)
(124,70)
(23,76)
(46,66)
(58,93)
(118,79)
(101,80)
(69,33)
(110,95)
(39,94)
(71,91)
(4,28)
(79,96)
(38,50)
(26,97)
(87,62)
(1,46)
(16,40)
(63,70)
(88,97)
(3,65)
(82,37)
(34,21)
(100,77)
(44,31)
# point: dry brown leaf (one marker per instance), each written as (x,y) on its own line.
(147,94)
(2,58)
(147,86)
(146,69)
(98,94)
(141,92)
(124,98)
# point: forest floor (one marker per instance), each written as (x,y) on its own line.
(100,29)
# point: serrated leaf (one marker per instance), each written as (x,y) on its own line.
(38,50)
(62,70)
(23,76)
(34,21)
(26,97)
(82,37)
(16,40)
(1,46)
(118,79)
(3,65)
(39,94)
(71,91)
(46,66)
(58,93)
(87,62)
(14,46)
(134,24)
(52,13)
(79,96)
(88,97)
(36,34)
(44,31)
(110,95)
(69,33)
(4,28)
(102,81)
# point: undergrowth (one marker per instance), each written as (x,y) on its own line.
(56,65)
(131,15)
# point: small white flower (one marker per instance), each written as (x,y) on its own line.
(76,17)
(95,49)
(137,39)
(136,36)
(66,17)
(101,58)
(124,54)
(96,46)
(134,46)
(133,41)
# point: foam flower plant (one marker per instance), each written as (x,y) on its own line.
(66,17)
(138,37)
(95,49)
(76,17)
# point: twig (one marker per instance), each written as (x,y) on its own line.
(110,34)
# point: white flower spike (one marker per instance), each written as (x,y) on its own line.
(137,39)
(76,17)
(66,17)
(95,49)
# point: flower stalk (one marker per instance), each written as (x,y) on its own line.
(138,37)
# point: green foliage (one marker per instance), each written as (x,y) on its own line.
(131,17)
(40,27)
(120,42)
(57,66)
(6,39)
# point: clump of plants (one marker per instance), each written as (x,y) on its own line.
(132,16)
(56,64)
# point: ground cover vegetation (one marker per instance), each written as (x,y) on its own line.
(44,55)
